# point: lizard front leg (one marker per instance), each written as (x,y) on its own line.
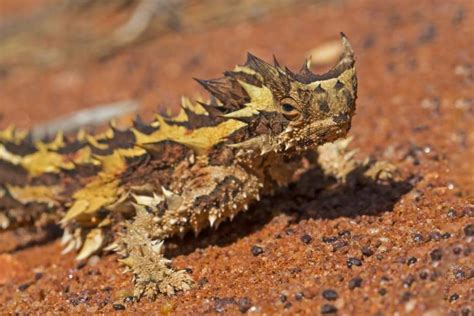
(337,161)
(201,196)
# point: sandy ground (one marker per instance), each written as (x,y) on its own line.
(366,249)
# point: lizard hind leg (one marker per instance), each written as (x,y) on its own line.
(207,196)
(143,256)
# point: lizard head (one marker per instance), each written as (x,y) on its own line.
(287,111)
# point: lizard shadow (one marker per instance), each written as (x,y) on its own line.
(313,196)
(29,237)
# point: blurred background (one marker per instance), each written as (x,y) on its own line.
(58,56)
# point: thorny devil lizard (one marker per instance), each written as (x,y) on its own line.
(129,190)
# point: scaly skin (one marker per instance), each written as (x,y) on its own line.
(130,190)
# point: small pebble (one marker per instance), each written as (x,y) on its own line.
(457,250)
(344,233)
(299,296)
(417,195)
(468,211)
(382,291)
(330,295)
(328,309)
(427,34)
(469,230)
(452,213)
(454,297)
(287,305)
(459,274)
(129,299)
(66,289)
(366,251)
(94,260)
(406,296)
(418,238)
(458,16)
(338,245)
(353,262)
(355,282)
(411,260)
(295,270)
(23,287)
(118,307)
(424,275)
(436,236)
(220,304)
(283,298)
(202,281)
(93,272)
(408,281)
(244,304)
(256,250)
(306,238)
(82,298)
(435,275)
(289,231)
(81,265)
(446,235)
(329,239)
(436,254)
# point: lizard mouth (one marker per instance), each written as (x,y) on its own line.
(316,133)
(325,131)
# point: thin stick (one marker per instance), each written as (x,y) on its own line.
(89,117)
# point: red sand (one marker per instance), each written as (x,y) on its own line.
(409,250)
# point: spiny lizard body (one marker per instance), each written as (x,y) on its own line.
(129,190)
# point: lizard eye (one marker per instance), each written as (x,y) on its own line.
(289,108)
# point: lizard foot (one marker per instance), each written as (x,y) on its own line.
(152,272)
